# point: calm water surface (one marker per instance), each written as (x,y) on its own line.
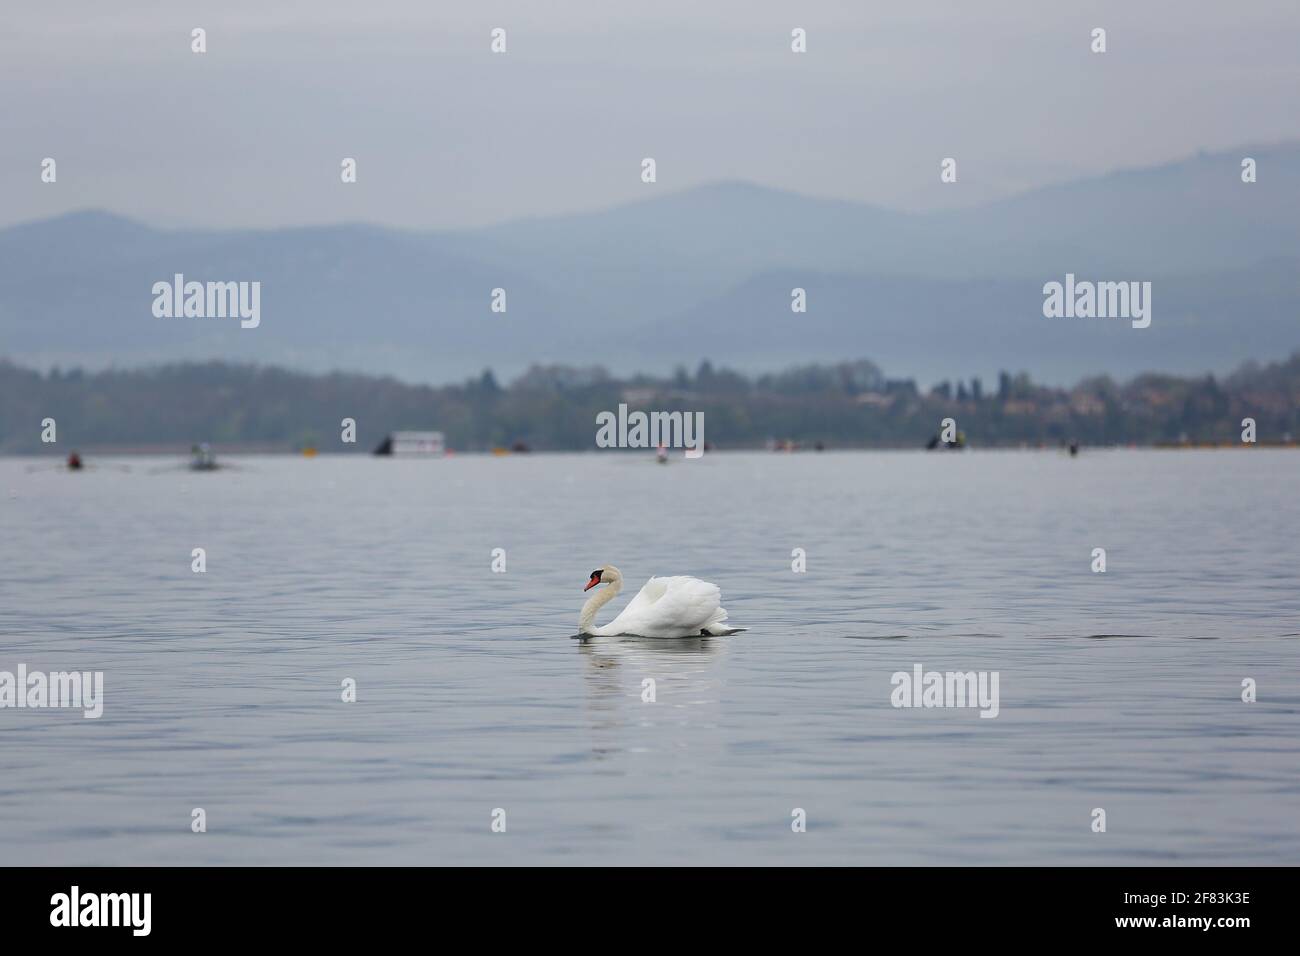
(1119,690)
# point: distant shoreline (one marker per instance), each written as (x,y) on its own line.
(235,451)
(254,409)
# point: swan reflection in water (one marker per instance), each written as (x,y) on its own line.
(684,672)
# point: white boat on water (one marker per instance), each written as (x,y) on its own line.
(412,444)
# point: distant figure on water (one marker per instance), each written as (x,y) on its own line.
(202,458)
(74,462)
(936,442)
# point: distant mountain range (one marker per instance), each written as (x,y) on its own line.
(703,273)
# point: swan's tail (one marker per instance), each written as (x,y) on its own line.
(716,627)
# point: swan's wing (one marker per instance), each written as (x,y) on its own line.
(650,592)
(672,606)
(637,609)
(691,604)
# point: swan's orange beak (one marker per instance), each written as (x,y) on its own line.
(595,579)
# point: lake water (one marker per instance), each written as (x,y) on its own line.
(1119,691)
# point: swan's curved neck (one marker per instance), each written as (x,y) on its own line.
(603,596)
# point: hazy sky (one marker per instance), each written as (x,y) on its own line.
(448,134)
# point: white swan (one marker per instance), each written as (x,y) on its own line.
(665,607)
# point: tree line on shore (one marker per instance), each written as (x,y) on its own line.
(843,405)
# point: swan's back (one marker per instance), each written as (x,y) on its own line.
(674,606)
